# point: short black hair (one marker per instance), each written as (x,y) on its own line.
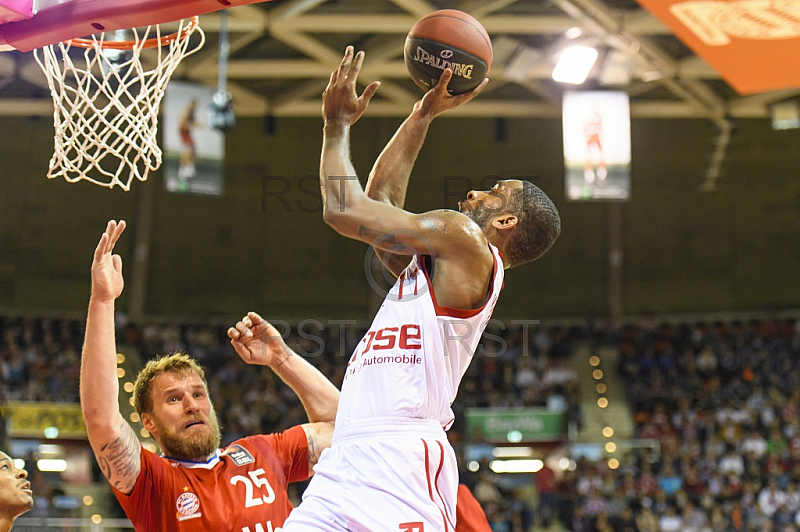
(538,227)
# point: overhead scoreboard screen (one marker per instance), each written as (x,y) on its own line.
(597,145)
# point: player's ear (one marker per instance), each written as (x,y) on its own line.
(147,422)
(505,222)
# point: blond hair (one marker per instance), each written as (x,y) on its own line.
(180,363)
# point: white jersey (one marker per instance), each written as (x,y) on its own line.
(412,359)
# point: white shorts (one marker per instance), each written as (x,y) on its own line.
(393,475)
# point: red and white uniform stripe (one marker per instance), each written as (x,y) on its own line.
(390,466)
(412,359)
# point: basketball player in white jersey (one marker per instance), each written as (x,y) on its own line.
(390,467)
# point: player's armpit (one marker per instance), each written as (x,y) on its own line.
(318,436)
(120,459)
(393,262)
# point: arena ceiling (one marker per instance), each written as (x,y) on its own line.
(282,52)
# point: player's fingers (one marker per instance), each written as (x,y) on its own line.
(107,235)
(444,80)
(120,227)
(100,250)
(243,329)
(255,318)
(357,62)
(116,261)
(369,92)
(344,66)
(233,333)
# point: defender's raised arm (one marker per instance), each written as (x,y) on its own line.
(113,441)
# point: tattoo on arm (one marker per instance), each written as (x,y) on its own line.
(313,452)
(119,459)
(378,238)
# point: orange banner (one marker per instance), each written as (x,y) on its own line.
(753,44)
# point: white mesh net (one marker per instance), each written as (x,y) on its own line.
(107,103)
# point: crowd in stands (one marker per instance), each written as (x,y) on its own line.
(516,365)
(722,401)
(40,359)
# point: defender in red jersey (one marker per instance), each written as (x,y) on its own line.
(194,485)
(390,466)
(471,517)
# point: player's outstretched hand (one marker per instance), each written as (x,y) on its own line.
(107,280)
(340,102)
(257,341)
(437,100)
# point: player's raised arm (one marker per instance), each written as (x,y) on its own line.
(388,180)
(113,441)
(348,210)
(257,341)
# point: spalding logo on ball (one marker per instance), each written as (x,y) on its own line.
(448,38)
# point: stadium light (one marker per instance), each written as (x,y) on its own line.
(52,464)
(512,452)
(575,64)
(516,466)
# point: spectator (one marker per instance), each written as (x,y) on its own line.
(732,462)
(546,487)
(646,521)
(486,492)
(771,497)
(670,521)
(754,445)
(669,481)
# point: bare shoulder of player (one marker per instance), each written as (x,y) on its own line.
(451,223)
(453,232)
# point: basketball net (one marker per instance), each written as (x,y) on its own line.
(107,104)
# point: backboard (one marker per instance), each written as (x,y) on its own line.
(29,24)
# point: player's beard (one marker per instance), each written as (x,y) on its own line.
(480,215)
(196,447)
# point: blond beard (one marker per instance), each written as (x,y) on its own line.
(196,448)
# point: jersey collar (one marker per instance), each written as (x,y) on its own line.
(213,460)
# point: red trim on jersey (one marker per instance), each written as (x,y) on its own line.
(436,479)
(428,468)
(401,280)
(457,312)
(441,465)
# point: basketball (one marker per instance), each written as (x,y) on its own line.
(448,38)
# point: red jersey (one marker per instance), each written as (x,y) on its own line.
(240,489)
(469,514)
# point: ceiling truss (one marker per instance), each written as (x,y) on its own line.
(309,36)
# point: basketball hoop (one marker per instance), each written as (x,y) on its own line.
(107,105)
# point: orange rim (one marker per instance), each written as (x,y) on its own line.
(155,42)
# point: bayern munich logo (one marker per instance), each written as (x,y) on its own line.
(187,503)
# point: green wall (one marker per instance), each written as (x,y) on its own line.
(686,251)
